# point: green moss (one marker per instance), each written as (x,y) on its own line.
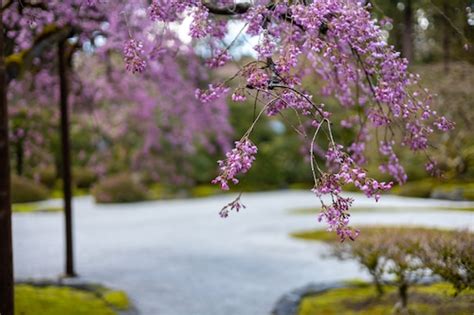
(314,211)
(316,235)
(117,299)
(325,236)
(30,300)
(357,283)
(432,299)
(205,191)
(33,207)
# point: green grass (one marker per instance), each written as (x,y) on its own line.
(118,299)
(315,211)
(51,300)
(33,207)
(316,235)
(205,191)
(432,299)
(325,236)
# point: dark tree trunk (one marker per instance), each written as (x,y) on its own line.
(407,35)
(403,293)
(66,158)
(19,157)
(6,248)
(379,287)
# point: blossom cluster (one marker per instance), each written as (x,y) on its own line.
(213,93)
(239,160)
(346,171)
(235,205)
(132,55)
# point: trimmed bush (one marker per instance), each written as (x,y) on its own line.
(119,188)
(84,178)
(451,258)
(47,176)
(27,190)
(407,255)
(369,253)
(420,189)
(454,191)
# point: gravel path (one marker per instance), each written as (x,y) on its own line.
(178,257)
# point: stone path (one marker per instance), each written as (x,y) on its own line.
(178,257)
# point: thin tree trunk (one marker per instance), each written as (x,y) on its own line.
(6,248)
(19,158)
(379,287)
(446,37)
(66,158)
(407,35)
(403,293)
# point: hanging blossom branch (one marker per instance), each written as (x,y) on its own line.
(343,46)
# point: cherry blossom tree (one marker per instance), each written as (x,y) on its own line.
(336,41)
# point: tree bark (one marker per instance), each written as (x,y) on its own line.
(446,37)
(378,287)
(403,293)
(19,157)
(66,158)
(6,248)
(407,35)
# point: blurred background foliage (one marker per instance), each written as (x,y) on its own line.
(435,35)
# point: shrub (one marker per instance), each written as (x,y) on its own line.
(84,178)
(403,263)
(27,190)
(47,176)
(119,188)
(408,254)
(451,257)
(421,189)
(454,191)
(369,251)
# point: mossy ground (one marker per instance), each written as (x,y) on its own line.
(33,207)
(431,299)
(52,300)
(205,191)
(325,236)
(315,210)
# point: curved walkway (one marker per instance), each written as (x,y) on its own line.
(179,257)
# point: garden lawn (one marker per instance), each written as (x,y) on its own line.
(431,299)
(52,300)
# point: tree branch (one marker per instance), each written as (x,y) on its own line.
(238,8)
